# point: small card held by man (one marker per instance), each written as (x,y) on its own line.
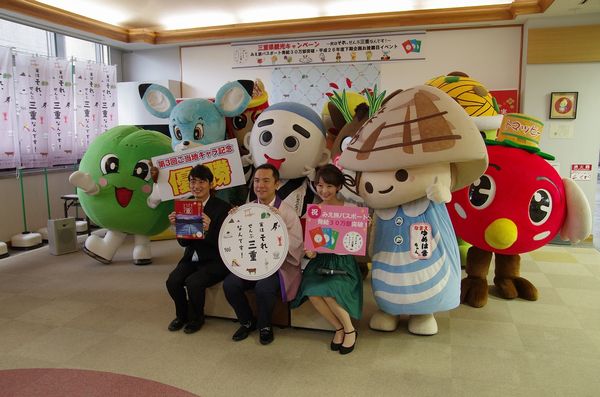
(188,219)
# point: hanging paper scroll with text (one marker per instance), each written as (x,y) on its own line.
(223,159)
(336,229)
(253,242)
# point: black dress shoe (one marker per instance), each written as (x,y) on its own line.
(243,331)
(176,325)
(193,326)
(346,350)
(266,335)
(336,346)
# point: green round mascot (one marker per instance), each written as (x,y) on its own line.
(115,190)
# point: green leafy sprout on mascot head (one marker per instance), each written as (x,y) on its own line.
(114,186)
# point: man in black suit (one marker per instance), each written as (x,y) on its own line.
(201,265)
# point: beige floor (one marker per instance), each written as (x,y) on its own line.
(70,311)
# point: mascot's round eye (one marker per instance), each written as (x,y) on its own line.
(401,175)
(369,187)
(177,132)
(198,132)
(265,138)
(482,192)
(345,142)
(109,164)
(142,170)
(540,207)
(291,143)
(239,122)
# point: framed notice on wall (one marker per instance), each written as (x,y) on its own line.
(563,105)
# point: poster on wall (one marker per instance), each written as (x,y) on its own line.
(330,50)
(508,100)
(223,159)
(581,172)
(310,85)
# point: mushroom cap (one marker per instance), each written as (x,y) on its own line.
(416,127)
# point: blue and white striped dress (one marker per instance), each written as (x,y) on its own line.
(403,283)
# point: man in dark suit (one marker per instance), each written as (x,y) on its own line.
(201,265)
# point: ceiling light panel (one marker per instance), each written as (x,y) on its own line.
(260,13)
(92,9)
(198,20)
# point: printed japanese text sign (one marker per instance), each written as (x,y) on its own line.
(330,50)
(223,159)
(253,241)
(336,229)
(581,172)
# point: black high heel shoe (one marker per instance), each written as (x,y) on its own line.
(336,346)
(346,350)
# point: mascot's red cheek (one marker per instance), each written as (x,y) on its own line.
(123,196)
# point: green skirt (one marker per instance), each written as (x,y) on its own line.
(347,289)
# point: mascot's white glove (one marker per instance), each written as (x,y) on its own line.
(154,199)
(84,181)
(578,222)
(247,160)
(438,192)
(309,172)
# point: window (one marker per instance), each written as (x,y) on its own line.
(57,94)
(82,50)
(25,38)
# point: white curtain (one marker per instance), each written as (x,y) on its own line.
(32,76)
(9,155)
(108,101)
(60,114)
(87,102)
(51,109)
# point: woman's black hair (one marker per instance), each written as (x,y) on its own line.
(331,175)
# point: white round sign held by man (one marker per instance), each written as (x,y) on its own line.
(253,241)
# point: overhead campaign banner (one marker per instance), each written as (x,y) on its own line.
(223,159)
(330,50)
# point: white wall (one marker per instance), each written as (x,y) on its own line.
(35,201)
(160,64)
(204,69)
(540,80)
(490,55)
(584,146)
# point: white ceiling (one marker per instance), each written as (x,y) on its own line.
(152,14)
(160,14)
(163,15)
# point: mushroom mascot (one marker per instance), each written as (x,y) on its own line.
(409,157)
(517,206)
(114,187)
